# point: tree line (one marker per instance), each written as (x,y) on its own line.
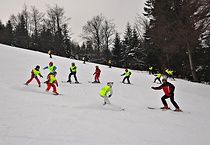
(173,34)
(178,37)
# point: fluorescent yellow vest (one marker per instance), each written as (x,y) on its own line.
(52,78)
(51,68)
(36,72)
(104,90)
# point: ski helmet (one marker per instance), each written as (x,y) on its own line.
(51,63)
(37,67)
(110,83)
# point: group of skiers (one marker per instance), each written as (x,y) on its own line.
(106,91)
(167,87)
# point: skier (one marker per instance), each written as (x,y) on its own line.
(110,63)
(105,90)
(34,74)
(51,68)
(168,89)
(83,59)
(73,71)
(170,74)
(158,75)
(97,74)
(51,82)
(151,70)
(50,53)
(127,76)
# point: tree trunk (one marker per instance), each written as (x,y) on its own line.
(195,79)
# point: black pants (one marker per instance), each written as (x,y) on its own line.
(128,79)
(163,99)
(157,79)
(74,74)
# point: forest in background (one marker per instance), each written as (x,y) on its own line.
(172,34)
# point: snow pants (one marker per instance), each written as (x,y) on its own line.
(97,77)
(157,78)
(128,79)
(106,99)
(32,77)
(49,85)
(163,99)
(74,74)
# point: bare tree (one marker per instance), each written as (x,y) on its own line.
(26,15)
(92,31)
(36,20)
(108,30)
(56,18)
(99,31)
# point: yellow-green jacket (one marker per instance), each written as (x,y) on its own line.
(105,89)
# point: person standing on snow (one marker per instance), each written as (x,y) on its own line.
(51,82)
(34,74)
(158,75)
(50,67)
(83,59)
(110,63)
(127,76)
(73,71)
(97,74)
(50,53)
(168,89)
(105,90)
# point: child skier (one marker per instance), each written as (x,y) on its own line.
(168,89)
(51,82)
(127,76)
(34,74)
(104,92)
(110,63)
(50,67)
(50,53)
(73,71)
(97,74)
(158,75)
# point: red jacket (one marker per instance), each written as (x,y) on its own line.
(167,87)
(97,72)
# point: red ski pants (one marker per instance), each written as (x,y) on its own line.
(49,85)
(97,77)
(32,77)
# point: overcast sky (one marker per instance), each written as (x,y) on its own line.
(80,11)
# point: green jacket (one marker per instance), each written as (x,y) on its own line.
(105,89)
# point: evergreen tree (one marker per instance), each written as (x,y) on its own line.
(127,51)
(9,34)
(22,38)
(116,51)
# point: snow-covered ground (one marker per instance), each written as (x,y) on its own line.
(31,116)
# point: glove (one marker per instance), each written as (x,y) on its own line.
(56,84)
(41,76)
(109,96)
(46,82)
(153,88)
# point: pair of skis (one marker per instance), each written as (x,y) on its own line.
(153,108)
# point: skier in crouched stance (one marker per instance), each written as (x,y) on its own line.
(105,90)
(34,74)
(168,89)
(51,82)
